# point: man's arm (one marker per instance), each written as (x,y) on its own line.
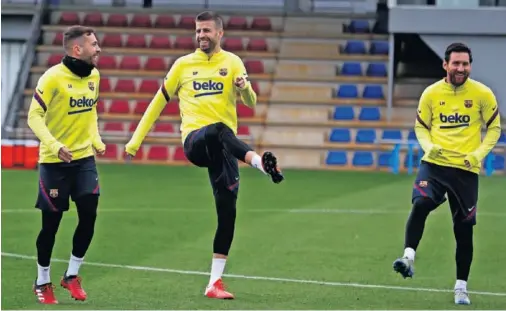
(97,143)
(492,119)
(423,122)
(248,95)
(168,89)
(44,93)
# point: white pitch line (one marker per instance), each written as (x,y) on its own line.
(261,278)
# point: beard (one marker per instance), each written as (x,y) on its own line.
(458,79)
(207,45)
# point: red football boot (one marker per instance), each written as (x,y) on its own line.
(217,290)
(45,293)
(73,285)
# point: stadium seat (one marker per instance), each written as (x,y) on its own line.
(337,158)
(112,40)
(163,128)
(141,20)
(100,107)
(416,160)
(347,91)
(54,59)
(125,86)
(120,106)
(244,111)
(254,66)
(255,87)
(373,92)
(384,159)
(261,23)
(93,19)
(498,163)
(233,44)
(179,154)
(141,106)
(359,26)
(379,48)
(344,113)
(412,136)
(363,158)
(69,18)
(150,86)
(158,153)
(376,70)
(237,23)
(133,126)
(351,69)
(130,63)
(105,85)
(117,20)
(502,138)
(58,39)
(155,64)
(187,22)
(111,151)
(165,21)
(366,136)
(114,127)
(107,62)
(355,47)
(392,134)
(369,114)
(340,135)
(243,130)
(171,109)
(257,45)
(136,41)
(160,43)
(184,43)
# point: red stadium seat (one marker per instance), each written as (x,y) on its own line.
(257,45)
(164,128)
(237,23)
(254,66)
(171,109)
(158,153)
(69,18)
(233,44)
(130,63)
(54,59)
(105,85)
(136,41)
(141,20)
(244,111)
(107,62)
(165,21)
(141,106)
(100,106)
(149,86)
(58,39)
(261,23)
(255,87)
(112,40)
(155,64)
(160,43)
(93,19)
(125,86)
(119,106)
(187,22)
(117,20)
(114,127)
(243,130)
(184,43)
(133,126)
(179,155)
(111,151)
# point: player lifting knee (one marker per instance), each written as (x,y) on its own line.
(206,83)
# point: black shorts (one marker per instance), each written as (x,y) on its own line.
(204,150)
(460,186)
(60,181)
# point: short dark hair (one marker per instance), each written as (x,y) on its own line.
(75,32)
(458,48)
(210,16)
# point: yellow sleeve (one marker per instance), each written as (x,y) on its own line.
(248,96)
(423,121)
(168,89)
(492,119)
(43,95)
(97,140)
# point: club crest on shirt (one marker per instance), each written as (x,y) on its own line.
(91,86)
(468,103)
(423,183)
(53,193)
(223,71)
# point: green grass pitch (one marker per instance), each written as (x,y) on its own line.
(343,229)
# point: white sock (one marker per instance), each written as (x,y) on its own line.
(257,163)
(409,253)
(460,284)
(43,275)
(74,264)
(217,268)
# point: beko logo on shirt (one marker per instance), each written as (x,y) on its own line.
(456,119)
(213,87)
(81,102)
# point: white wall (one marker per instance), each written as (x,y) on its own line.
(12,53)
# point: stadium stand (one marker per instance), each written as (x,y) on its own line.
(321,85)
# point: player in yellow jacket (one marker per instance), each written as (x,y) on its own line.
(63,116)
(206,83)
(448,126)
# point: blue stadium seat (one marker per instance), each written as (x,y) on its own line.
(498,163)
(376,70)
(412,136)
(366,136)
(373,92)
(384,159)
(355,47)
(347,91)
(344,113)
(392,134)
(337,158)
(416,159)
(369,114)
(502,138)
(363,158)
(351,69)
(359,26)
(340,135)
(379,48)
